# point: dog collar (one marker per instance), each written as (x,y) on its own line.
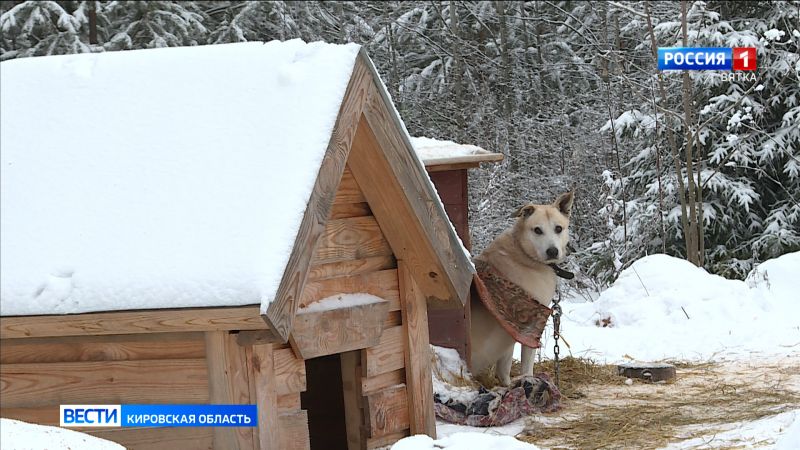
(565,274)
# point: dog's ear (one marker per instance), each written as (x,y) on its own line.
(564,202)
(524,211)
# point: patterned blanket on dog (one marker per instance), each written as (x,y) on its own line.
(517,312)
(500,405)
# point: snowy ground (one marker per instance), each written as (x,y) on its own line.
(742,337)
(16,435)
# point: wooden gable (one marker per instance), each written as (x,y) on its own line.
(369,150)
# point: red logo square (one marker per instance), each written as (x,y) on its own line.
(744,58)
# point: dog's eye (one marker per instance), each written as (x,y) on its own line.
(537,230)
(559,229)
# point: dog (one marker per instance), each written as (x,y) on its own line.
(522,254)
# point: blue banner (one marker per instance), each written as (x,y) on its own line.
(189,415)
(695,58)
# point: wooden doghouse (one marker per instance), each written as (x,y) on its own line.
(355,376)
(448,165)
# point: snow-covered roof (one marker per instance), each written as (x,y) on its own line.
(174,177)
(435,151)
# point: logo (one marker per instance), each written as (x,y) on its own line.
(90,415)
(707,58)
(159,416)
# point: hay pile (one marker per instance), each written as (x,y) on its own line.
(601,411)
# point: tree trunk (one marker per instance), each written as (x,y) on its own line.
(458,69)
(692,247)
(673,146)
(92,22)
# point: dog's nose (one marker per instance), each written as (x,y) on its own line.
(552,253)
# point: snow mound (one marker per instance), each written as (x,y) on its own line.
(17,435)
(776,278)
(462,441)
(143,194)
(666,308)
(790,440)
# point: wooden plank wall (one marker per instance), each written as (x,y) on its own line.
(449,327)
(39,374)
(354,256)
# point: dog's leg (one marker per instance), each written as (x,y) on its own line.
(503,368)
(527,360)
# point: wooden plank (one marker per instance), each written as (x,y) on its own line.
(349,239)
(409,215)
(386,356)
(417,351)
(382,154)
(133,322)
(200,438)
(266,383)
(393,319)
(348,191)
(254,337)
(346,210)
(383,284)
(290,372)
(351,386)
(282,308)
(387,440)
(294,431)
(44,415)
(320,333)
(387,411)
(228,383)
(125,347)
(289,402)
(108,382)
(382,381)
(351,268)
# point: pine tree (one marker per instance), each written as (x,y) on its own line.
(150,24)
(38,28)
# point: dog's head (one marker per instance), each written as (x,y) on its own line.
(543,230)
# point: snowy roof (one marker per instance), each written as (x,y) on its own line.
(434,152)
(173,177)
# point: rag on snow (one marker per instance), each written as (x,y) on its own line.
(500,405)
(518,313)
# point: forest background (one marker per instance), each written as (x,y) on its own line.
(700,165)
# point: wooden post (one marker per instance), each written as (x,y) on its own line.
(351,386)
(417,354)
(264,380)
(228,383)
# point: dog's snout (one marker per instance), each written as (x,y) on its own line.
(552,253)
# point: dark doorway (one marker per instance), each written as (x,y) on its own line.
(324,401)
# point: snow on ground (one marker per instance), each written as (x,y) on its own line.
(429,149)
(760,432)
(169,199)
(17,435)
(462,441)
(790,439)
(666,308)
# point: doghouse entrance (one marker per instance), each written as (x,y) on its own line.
(324,401)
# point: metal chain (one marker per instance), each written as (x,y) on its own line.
(556,332)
